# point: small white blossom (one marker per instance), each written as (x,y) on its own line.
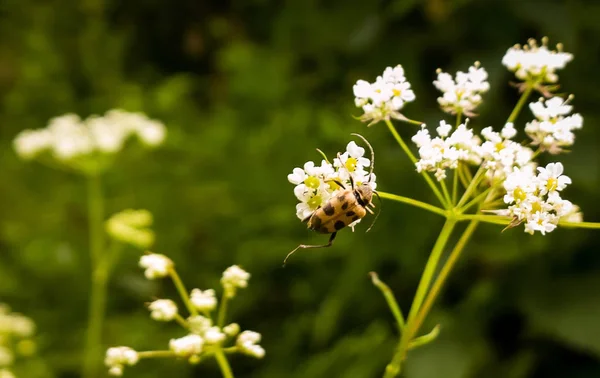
(231,329)
(500,154)
(213,335)
(463,93)
(6,356)
(117,357)
(247,343)
(163,310)
(187,346)
(156,265)
(384,98)
(203,300)
(233,278)
(199,324)
(536,63)
(5,373)
(553,128)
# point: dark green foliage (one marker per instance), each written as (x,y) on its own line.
(248,89)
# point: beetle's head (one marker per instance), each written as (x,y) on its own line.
(364,193)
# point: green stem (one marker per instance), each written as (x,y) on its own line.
(99,278)
(446,193)
(394,367)
(458,119)
(413,159)
(455,185)
(223,364)
(183,293)
(413,202)
(181,321)
(472,186)
(222,311)
(593,225)
(389,297)
(156,354)
(515,113)
(493,219)
(475,200)
(444,273)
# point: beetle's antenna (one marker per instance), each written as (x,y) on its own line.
(378,212)
(372,154)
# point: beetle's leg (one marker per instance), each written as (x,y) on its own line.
(369,210)
(304,246)
(379,212)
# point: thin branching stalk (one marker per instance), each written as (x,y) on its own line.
(223,364)
(183,293)
(413,202)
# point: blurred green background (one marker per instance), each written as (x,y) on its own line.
(247,90)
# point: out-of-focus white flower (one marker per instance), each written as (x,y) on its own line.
(500,154)
(535,199)
(231,329)
(234,278)
(553,128)
(463,94)
(536,63)
(446,150)
(213,335)
(15,324)
(6,356)
(132,227)
(30,143)
(156,265)
(203,300)
(117,357)
(187,346)
(384,98)
(199,324)
(247,343)
(5,373)
(163,310)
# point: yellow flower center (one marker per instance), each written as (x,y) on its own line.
(333,185)
(351,164)
(519,195)
(499,146)
(312,182)
(535,207)
(396,92)
(315,201)
(552,184)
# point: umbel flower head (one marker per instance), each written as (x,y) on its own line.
(87,145)
(384,98)
(462,94)
(15,332)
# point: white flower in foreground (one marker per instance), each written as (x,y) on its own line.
(535,199)
(203,300)
(187,346)
(501,155)
(536,63)
(233,278)
(213,335)
(463,93)
(163,310)
(446,150)
(384,98)
(553,128)
(156,265)
(247,343)
(117,357)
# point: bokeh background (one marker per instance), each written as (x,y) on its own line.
(248,89)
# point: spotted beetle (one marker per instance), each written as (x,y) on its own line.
(343,209)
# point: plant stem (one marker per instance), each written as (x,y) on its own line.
(222,311)
(515,113)
(183,293)
(394,367)
(389,297)
(413,202)
(446,193)
(444,273)
(223,364)
(493,219)
(413,159)
(455,185)
(475,200)
(99,278)
(156,354)
(472,186)
(594,225)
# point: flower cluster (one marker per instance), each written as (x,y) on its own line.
(204,337)
(535,199)
(315,185)
(15,333)
(500,154)
(461,95)
(536,63)
(446,150)
(553,127)
(69,140)
(384,98)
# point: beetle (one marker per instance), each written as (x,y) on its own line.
(343,209)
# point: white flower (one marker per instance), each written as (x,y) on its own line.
(6,356)
(156,265)
(536,63)
(5,373)
(233,278)
(117,357)
(187,346)
(463,94)
(152,133)
(384,98)
(213,335)
(30,143)
(203,300)
(553,128)
(231,329)
(247,343)
(500,154)
(163,310)
(552,178)
(199,324)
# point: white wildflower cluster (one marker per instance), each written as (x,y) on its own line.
(500,154)
(553,127)
(204,337)
(15,333)
(131,227)
(463,93)
(536,63)
(315,185)
(535,199)
(384,98)
(69,139)
(447,149)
